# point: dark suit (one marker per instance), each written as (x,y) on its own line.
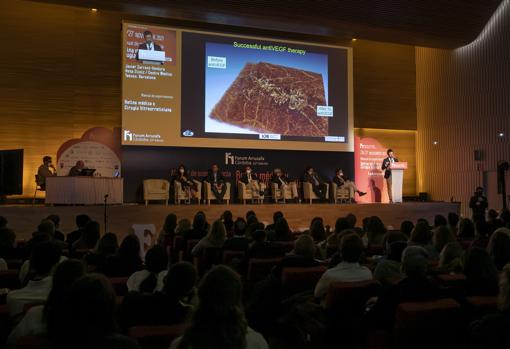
(338,181)
(318,185)
(276,179)
(237,243)
(74,171)
(387,175)
(145,47)
(218,186)
(244,177)
(478,204)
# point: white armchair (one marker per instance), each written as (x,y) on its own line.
(284,193)
(209,195)
(244,192)
(156,189)
(340,193)
(180,194)
(308,193)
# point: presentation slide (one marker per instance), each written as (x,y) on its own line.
(202,89)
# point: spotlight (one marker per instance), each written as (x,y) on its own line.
(93,9)
(354,39)
(501,135)
(435,142)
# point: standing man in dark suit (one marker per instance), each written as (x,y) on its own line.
(387,171)
(318,186)
(149,43)
(478,204)
(217,182)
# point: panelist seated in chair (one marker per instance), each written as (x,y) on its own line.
(319,187)
(218,185)
(284,183)
(343,182)
(45,170)
(186,181)
(252,182)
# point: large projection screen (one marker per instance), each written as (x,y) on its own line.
(190,88)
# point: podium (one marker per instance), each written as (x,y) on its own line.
(397,179)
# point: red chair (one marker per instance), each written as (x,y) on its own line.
(259,268)
(287,245)
(375,250)
(482,305)
(230,255)
(9,279)
(119,285)
(296,280)
(156,337)
(345,297)
(455,282)
(441,320)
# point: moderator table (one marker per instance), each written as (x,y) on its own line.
(84,190)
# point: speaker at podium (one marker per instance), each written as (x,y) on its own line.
(397,179)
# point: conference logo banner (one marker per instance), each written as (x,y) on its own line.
(368,157)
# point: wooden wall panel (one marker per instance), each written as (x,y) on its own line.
(463,103)
(60,71)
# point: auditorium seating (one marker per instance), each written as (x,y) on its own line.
(259,268)
(230,256)
(156,189)
(296,280)
(350,297)
(340,193)
(441,319)
(9,279)
(156,337)
(208,257)
(119,285)
(480,306)
(308,193)
(209,195)
(183,195)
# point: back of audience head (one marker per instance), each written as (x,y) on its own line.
(351,218)
(55,219)
(91,234)
(504,289)
(180,280)
(199,221)
(129,248)
(108,245)
(453,219)
(219,320)
(259,235)
(451,257)
(466,229)
(89,313)
(415,262)
(317,231)
(82,220)
(341,224)
(66,273)
(45,256)
(226,216)
(442,236)
(376,226)
(281,229)
(239,227)
(481,229)
(440,220)
(276,216)
(421,234)
(46,227)
(249,214)
(170,223)
(406,227)
(156,260)
(218,233)
(395,250)
(351,248)
(505,216)
(499,247)
(304,247)
(479,267)
(391,237)
(184,224)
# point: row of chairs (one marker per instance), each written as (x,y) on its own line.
(159,189)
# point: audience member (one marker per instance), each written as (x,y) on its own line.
(349,270)
(184,224)
(466,229)
(219,320)
(481,234)
(127,260)
(481,273)
(37,317)
(56,220)
(167,233)
(7,240)
(453,222)
(106,246)
(199,229)
(442,236)
(238,242)
(491,331)
(376,231)
(493,221)
(406,228)
(281,231)
(387,269)
(302,256)
(173,305)
(451,258)
(276,216)
(45,256)
(81,222)
(228,222)
(261,248)
(215,238)
(422,236)
(88,319)
(150,278)
(89,238)
(439,220)
(499,247)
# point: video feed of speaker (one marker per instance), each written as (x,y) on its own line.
(201,89)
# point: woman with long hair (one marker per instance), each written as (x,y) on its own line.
(219,321)
(215,238)
(127,260)
(167,233)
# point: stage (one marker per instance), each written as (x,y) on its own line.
(23,219)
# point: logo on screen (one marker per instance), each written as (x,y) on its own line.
(229,159)
(188,133)
(128,136)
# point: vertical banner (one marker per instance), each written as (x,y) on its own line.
(368,158)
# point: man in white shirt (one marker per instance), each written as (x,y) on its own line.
(349,270)
(45,256)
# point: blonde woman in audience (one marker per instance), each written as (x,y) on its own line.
(215,238)
(451,258)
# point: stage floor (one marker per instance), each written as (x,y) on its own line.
(23,219)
